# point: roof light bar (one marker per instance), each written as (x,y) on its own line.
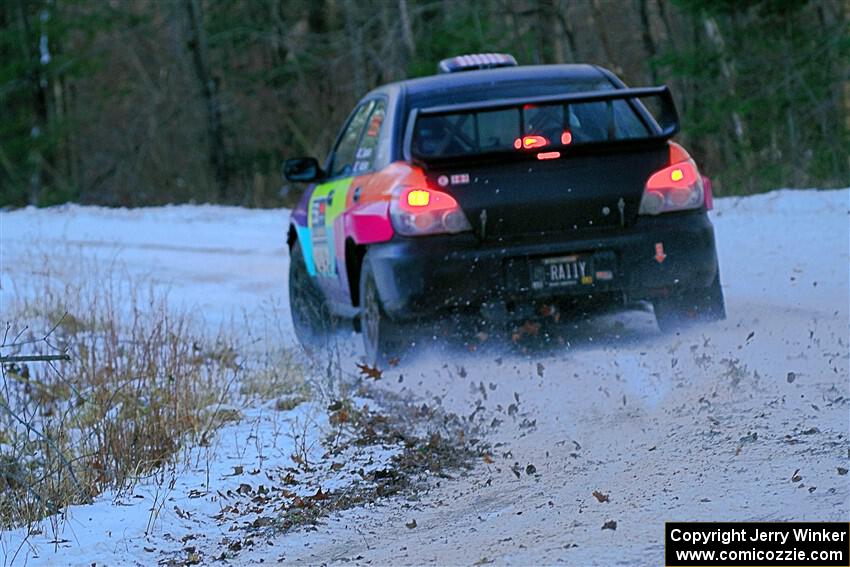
(476,61)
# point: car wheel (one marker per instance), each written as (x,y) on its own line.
(678,311)
(383,339)
(311,319)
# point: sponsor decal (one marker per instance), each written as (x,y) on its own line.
(460,179)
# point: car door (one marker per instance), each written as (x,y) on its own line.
(352,156)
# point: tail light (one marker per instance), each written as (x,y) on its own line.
(677,187)
(417,211)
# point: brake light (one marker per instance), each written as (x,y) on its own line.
(417,211)
(529,142)
(418,198)
(677,187)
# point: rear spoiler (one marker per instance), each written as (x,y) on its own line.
(665,127)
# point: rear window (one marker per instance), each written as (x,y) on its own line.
(488,131)
(477,132)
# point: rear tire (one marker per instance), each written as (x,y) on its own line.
(678,311)
(383,339)
(311,318)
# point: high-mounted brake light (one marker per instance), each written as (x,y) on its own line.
(529,142)
(567,138)
(677,187)
(418,211)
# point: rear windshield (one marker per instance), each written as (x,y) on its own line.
(477,132)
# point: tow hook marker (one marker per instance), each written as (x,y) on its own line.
(659,252)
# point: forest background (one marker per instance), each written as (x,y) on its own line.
(145,102)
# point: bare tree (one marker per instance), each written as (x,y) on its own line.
(197,45)
(648,41)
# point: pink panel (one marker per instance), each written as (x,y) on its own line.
(369,223)
(709,196)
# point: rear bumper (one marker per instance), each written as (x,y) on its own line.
(426,276)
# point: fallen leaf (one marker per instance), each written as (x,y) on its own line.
(411,524)
(540,369)
(600,497)
(515,470)
(791,377)
(488,459)
(393,362)
(262,522)
(609,525)
(842,471)
(530,469)
(370,371)
(751,335)
(529,328)
(751,437)
(339,417)
(796,476)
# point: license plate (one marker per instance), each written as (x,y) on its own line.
(563,271)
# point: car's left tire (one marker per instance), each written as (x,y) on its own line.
(678,311)
(311,318)
(383,338)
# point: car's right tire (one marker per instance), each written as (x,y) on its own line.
(678,311)
(383,338)
(311,318)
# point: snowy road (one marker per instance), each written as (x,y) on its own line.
(708,425)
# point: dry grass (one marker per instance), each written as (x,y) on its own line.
(143,380)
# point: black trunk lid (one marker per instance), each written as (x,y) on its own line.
(571,194)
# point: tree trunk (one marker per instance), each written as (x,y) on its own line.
(727,69)
(39,156)
(406,29)
(197,46)
(562,15)
(600,24)
(648,42)
(354,32)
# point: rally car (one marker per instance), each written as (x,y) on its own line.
(500,191)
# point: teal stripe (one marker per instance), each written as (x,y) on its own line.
(306,248)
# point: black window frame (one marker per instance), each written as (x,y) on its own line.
(329,161)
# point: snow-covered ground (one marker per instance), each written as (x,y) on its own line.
(226,261)
(706,425)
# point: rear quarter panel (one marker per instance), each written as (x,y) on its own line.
(365,221)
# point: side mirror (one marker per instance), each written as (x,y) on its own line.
(304,169)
